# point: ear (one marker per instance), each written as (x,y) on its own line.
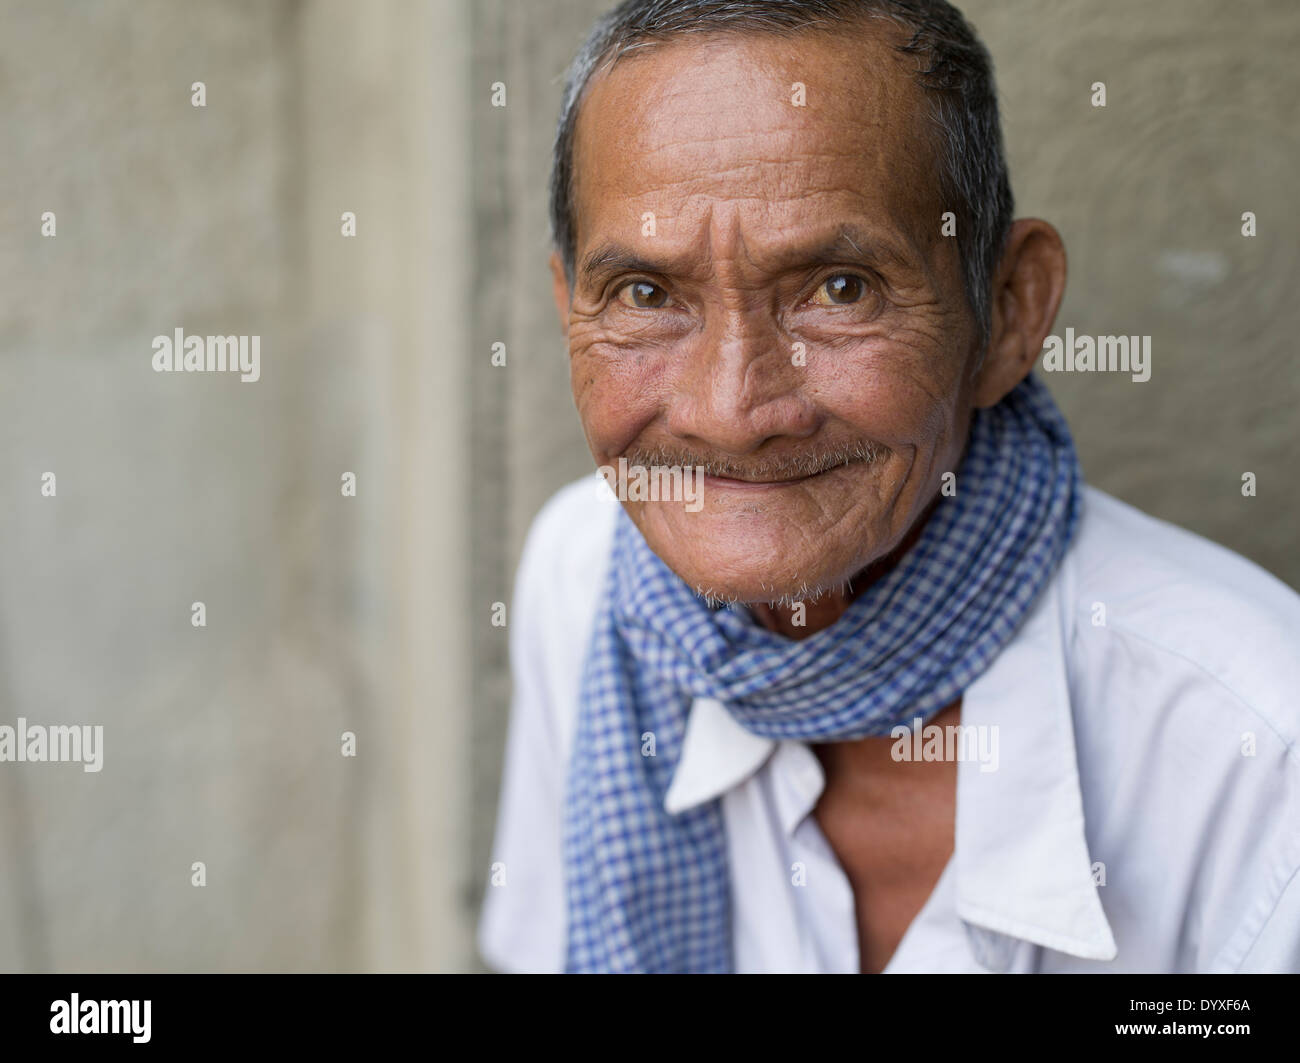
(1027,292)
(560,290)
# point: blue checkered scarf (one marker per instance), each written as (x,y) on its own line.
(649,891)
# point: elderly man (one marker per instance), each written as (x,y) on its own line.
(786,264)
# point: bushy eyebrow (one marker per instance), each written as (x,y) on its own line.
(611,258)
(850,243)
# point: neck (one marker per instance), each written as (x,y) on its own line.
(802,619)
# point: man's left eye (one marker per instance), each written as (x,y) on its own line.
(840,289)
(643,295)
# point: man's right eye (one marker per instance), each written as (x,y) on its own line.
(642,295)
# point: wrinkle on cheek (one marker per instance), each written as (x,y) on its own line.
(616,397)
(883,390)
(902,375)
(881,514)
(621,335)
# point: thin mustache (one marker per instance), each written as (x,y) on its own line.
(793,466)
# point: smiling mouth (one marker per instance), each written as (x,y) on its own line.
(760,475)
(760,481)
(732,481)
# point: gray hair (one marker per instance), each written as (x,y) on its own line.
(955,71)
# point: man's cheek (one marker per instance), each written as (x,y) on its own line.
(607,380)
(611,416)
(891,403)
(587,376)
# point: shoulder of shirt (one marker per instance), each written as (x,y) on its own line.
(567,547)
(557,592)
(1179,594)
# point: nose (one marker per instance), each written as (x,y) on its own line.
(739,385)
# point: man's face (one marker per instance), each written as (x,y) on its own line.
(771,297)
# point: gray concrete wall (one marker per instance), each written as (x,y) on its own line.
(325,613)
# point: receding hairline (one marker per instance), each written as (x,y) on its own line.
(865,24)
(710,34)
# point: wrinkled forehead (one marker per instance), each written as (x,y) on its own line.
(788,127)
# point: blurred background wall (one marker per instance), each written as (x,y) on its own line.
(324,613)
(371,614)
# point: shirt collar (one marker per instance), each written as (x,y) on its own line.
(717,755)
(1021,854)
(1023,866)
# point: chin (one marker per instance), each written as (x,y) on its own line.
(753,565)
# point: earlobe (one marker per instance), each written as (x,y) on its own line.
(560,291)
(1027,292)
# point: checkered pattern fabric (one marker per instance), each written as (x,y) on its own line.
(649,891)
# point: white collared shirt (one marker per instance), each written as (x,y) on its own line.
(1144,814)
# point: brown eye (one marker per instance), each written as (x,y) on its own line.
(643,295)
(842,289)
